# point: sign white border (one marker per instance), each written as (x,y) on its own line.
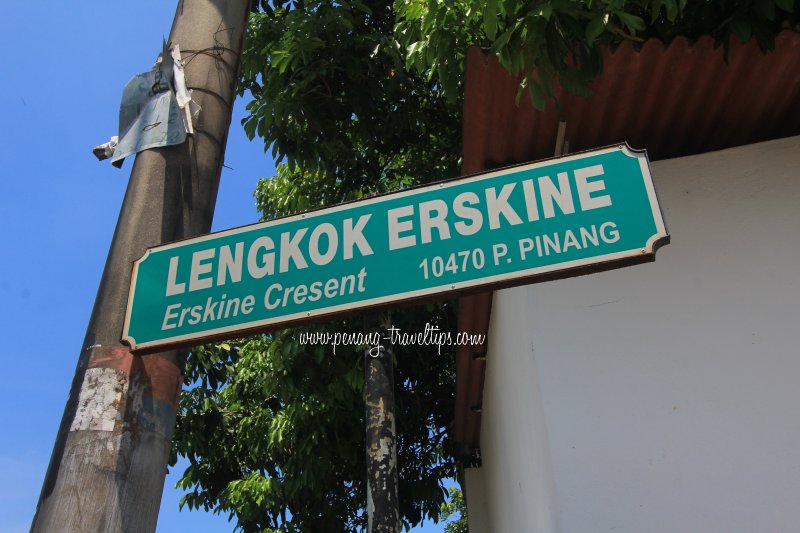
(520,277)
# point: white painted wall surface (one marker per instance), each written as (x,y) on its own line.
(662,397)
(477,517)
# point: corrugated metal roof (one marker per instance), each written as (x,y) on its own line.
(672,100)
(473,318)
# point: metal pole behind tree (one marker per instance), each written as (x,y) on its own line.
(109,460)
(383,513)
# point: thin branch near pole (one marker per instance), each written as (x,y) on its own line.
(382,495)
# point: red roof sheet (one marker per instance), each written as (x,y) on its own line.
(672,100)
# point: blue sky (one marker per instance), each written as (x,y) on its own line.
(65,67)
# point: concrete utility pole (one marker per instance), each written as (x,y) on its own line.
(110,456)
(383,512)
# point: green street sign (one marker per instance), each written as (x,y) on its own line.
(556,218)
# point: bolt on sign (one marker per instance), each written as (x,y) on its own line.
(556,218)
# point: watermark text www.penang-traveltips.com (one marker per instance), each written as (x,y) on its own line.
(430,336)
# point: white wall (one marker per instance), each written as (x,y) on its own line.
(477,517)
(662,397)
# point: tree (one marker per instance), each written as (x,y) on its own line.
(274,429)
(456,508)
(332,96)
(561,40)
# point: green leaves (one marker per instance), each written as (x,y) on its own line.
(765,9)
(742,28)
(281,445)
(634,23)
(558,39)
(524,37)
(455,508)
(490,19)
(339,97)
(595,27)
